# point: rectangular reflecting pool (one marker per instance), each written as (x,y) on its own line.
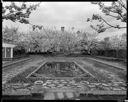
(59,69)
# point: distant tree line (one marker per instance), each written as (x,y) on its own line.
(67,42)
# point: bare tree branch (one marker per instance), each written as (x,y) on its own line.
(112,25)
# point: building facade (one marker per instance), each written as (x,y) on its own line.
(7,50)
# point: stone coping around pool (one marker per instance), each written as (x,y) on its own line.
(84,69)
(36,69)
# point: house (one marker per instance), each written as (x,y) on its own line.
(7,49)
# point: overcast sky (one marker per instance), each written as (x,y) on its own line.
(68,14)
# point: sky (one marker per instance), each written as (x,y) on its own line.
(68,14)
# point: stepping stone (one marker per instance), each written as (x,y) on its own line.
(110,84)
(98,84)
(62,80)
(26,84)
(72,81)
(52,85)
(123,88)
(48,86)
(58,86)
(61,85)
(48,82)
(69,95)
(56,82)
(106,88)
(118,82)
(105,84)
(115,89)
(86,82)
(60,95)
(91,85)
(111,88)
(49,96)
(75,84)
(44,84)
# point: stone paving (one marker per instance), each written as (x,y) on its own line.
(83,85)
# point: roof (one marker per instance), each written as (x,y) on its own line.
(8,45)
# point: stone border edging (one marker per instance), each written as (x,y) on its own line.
(36,69)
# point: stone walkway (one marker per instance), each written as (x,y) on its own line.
(83,85)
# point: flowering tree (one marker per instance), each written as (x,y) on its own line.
(20,13)
(11,33)
(89,41)
(117,10)
(51,40)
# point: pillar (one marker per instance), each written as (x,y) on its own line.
(5,52)
(11,52)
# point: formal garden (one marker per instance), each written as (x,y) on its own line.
(51,64)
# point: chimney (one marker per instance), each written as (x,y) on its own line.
(62,29)
(78,32)
(106,39)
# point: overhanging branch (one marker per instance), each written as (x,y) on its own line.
(112,25)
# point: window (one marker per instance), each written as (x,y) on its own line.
(8,52)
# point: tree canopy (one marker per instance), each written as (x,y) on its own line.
(116,10)
(20,13)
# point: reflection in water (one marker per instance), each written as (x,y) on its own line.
(60,69)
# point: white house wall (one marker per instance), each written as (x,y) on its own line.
(8,45)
